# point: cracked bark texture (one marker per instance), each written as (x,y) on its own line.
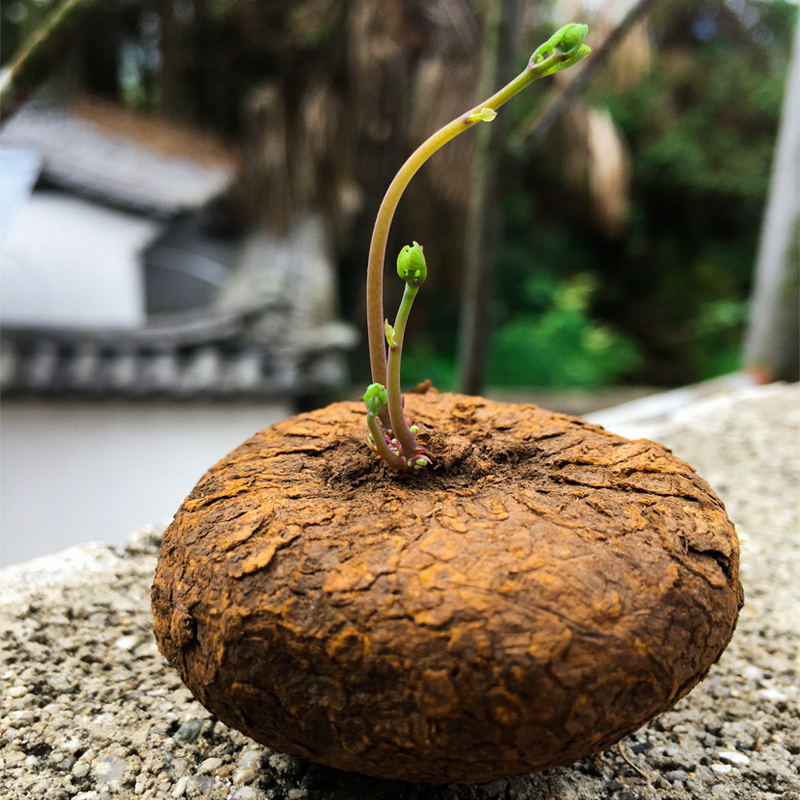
(543,592)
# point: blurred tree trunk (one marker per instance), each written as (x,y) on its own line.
(483,217)
(170,73)
(772,345)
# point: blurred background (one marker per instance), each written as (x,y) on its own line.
(188,189)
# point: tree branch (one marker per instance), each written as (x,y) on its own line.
(38,56)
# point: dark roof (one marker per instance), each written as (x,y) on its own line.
(79,155)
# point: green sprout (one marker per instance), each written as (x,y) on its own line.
(392,436)
(568,42)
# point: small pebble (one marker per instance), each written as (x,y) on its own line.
(189,731)
(752,673)
(80,770)
(282,763)
(180,787)
(199,785)
(126,642)
(179,767)
(718,788)
(721,769)
(734,757)
(209,765)
(245,793)
(109,769)
(676,775)
(17,691)
(243,775)
(251,758)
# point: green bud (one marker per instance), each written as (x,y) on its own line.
(568,43)
(411,265)
(375,398)
(572,37)
(486,114)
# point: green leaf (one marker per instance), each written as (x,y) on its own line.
(389,331)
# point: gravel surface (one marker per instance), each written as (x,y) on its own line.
(89,710)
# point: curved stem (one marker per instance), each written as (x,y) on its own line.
(380,234)
(405,438)
(393,459)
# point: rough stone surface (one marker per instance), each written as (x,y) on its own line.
(85,698)
(543,592)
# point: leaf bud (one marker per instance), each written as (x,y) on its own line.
(567,42)
(375,398)
(389,333)
(411,265)
(486,114)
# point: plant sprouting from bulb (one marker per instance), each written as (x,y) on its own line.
(391,435)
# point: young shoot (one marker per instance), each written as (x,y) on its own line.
(391,435)
(396,443)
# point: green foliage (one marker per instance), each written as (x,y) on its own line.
(545,330)
(703,123)
(701,130)
(716,323)
(561,346)
(429,356)
(547,333)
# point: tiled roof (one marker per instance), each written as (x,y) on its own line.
(206,361)
(119,171)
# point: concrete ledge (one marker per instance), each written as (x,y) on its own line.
(90,711)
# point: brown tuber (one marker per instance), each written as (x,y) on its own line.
(544,591)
